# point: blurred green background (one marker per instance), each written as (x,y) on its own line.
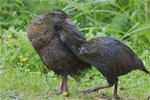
(22,74)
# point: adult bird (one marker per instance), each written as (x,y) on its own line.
(53,53)
(110,56)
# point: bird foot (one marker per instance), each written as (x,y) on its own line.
(116,97)
(89,90)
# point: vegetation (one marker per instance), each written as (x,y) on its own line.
(22,74)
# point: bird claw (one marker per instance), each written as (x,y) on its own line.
(117,97)
(89,90)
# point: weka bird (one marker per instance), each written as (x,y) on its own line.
(53,53)
(111,57)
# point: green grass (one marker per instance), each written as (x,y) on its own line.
(24,77)
(26,85)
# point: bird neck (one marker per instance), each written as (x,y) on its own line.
(71,40)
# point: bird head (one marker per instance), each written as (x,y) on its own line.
(58,16)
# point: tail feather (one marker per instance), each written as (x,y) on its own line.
(141,66)
(146,71)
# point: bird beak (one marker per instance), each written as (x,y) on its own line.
(68,21)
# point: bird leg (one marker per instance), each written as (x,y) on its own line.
(64,84)
(116,96)
(93,89)
(64,87)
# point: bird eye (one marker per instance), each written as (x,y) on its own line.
(52,14)
(61,16)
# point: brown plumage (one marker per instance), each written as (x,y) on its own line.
(53,53)
(111,57)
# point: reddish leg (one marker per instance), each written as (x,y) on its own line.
(64,87)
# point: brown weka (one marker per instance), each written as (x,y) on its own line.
(110,56)
(53,53)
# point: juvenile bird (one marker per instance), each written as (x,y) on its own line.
(53,53)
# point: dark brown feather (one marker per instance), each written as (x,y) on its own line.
(51,50)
